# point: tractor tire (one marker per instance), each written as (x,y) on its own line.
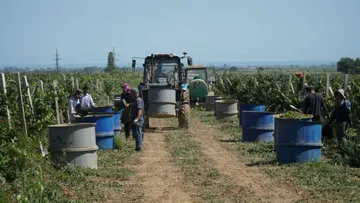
(184,116)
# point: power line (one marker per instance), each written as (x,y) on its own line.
(57,59)
(114,54)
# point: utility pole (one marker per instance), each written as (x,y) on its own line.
(114,54)
(57,61)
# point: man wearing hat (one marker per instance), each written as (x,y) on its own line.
(137,116)
(341,114)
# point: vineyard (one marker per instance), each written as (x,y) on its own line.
(20,163)
(25,176)
(280,90)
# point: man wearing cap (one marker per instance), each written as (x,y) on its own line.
(137,116)
(314,103)
(341,114)
(73,102)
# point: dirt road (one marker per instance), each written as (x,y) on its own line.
(261,186)
(156,176)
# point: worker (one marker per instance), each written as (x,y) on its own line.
(87,100)
(74,102)
(342,114)
(137,116)
(125,117)
(314,104)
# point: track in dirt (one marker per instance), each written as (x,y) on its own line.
(261,186)
(158,178)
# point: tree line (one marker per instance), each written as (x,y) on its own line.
(348,65)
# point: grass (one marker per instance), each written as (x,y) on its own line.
(321,182)
(41,182)
(211,186)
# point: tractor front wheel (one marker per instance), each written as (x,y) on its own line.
(184,116)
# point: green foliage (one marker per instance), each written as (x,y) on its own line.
(273,90)
(294,115)
(111,63)
(21,177)
(347,153)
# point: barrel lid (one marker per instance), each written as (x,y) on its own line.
(102,113)
(260,112)
(226,101)
(99,115)
(65,125)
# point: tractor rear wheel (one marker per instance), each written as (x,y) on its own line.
(184,116)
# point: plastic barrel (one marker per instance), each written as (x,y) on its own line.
(215,99)
(249,107)
(117,124)
(105,109)
(104,129)
(298,141)
(258,126)
(276,127)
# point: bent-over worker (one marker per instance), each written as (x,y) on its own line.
(87,100)
(137,116)
(73,102)
(342,114)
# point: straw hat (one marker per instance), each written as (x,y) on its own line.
(342,92)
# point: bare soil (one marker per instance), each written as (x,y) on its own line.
(229,165)
(156,177)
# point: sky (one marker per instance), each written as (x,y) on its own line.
(84,31)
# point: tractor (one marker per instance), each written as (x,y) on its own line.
(198,81)
(165,70)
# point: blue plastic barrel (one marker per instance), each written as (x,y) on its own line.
(258,126)
(276,127)
(104,109)
(117,124)
(215,99)
(298,141)
(250,107)
(104,129)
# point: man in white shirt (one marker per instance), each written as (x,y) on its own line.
(87,100)
(73,102)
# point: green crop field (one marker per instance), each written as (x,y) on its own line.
(202,175)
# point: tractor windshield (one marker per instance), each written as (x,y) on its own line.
(195,74)
(167,71)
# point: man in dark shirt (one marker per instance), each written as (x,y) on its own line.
(341,114)
(125,116)
(313,103)
(137,116)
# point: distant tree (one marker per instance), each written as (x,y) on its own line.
(261,69)
(233,68)
(111,62)
(346,65)
(357,65)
